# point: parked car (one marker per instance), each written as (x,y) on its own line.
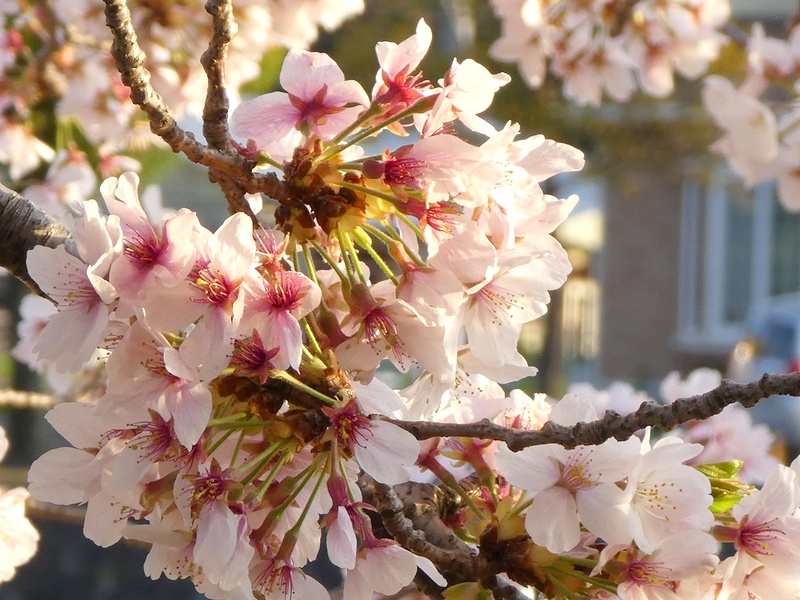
(772,345)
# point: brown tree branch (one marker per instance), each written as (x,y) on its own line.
(23,227)
(414,521)
(613,425)
(129,59)
(20,399)
(215,110)
(458,558)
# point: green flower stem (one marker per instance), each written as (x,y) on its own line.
(595,581)
(262,489)
(284,376)
(347,244)
(312,270)
(329,259)
(229,419)
(238,447)
(364,117)
(568,593)
(266,159)
(389,240)
(312,339)
(372,192)
(399,238)
(419,106)
(245,425)
(413,226)
(306,475)
(222,439)
(435,467)
(294,532)
(380,262)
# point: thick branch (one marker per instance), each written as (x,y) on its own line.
(613,425)
(455,559)
(129,59)
(22,227)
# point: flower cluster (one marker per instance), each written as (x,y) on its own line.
(238,401)
(241,408)
(762,139)
(610,47)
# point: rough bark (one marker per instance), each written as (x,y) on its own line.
(22,227)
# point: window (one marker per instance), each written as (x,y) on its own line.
(738,247)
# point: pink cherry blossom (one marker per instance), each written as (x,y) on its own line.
(318,102)
(19,539)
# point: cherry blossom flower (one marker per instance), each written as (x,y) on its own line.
(395,84)
(668,496)
(573,487)
(385,569)
(653,575)
(19,539)
(318,102)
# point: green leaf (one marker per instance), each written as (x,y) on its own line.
(725,501)
(721,470)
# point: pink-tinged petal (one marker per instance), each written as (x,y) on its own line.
(778,497)
(76,423)
(190,407)
(430,570)
(572,409)
(265,119)
(470,256)
(18,537)
(216,538)
(208,348)
(178,255)
(285,334)
(534,469)
(307,588)
(341,541)
(104,520)
(61,476)
(233,248)
(392,567)
(377,397)
(394,58)
(334,122)
(688,553)
(121,196)
(356,586)
(493,334)
(552,520)
(605,511)
(305,73)
(71,337)
(550,158)
(97,237)
(72,334)
(386,451)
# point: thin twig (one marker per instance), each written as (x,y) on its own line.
(19,399)
(215,110)
(613,425)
